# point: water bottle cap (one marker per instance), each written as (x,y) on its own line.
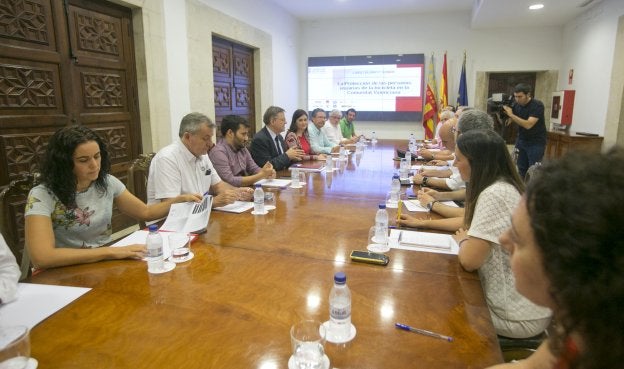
(395,176)
(153,227)
(258,185)
(382,206)
(340,278)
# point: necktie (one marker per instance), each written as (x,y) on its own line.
(279,147)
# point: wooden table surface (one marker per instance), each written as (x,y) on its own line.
(254,276)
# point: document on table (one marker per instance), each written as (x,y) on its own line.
(424,241)
(188,217)
(414,205)
(35,302)
(274,182)
(236,207)
(309,166)
(139,237)
(429,167)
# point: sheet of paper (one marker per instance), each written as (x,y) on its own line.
(429,167)
(309,168)
(140,237)
(274,182)
(424,241)
(414,205)
(236,207)
(35,302)
(188,217)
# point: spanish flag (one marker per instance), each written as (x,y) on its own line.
(431,107)
(443,87)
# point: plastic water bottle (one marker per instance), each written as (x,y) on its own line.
(258,199)
(412,139)
(342,152)
(329,165)
(154,243)
(408,155)
(396,184)
(381,225)
(340,309)
(373,139)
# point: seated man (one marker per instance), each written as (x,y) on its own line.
(268,144)
(318,140)
(231,158)
(9,273)
(332,129)
(347,127)
(183,166)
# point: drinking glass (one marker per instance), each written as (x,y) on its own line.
(180,245)
(294,177)
(308,340)
(376,242)
(14,347)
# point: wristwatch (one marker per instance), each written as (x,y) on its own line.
(430,205)
(424,181)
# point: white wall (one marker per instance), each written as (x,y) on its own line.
(588,48)
(536,49)
(284,30)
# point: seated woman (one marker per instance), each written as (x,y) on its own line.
(567,253)
(493,190)
(297,136)
(68,216)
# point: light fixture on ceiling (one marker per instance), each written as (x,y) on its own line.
(536,6)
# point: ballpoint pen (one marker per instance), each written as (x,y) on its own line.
(423,332)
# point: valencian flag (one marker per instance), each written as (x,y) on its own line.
(462,94)
(443,87)
(431,107)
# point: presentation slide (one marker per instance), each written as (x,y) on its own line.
(378,87)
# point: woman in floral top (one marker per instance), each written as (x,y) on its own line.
(68,216)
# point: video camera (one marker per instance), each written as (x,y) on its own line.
(497,101)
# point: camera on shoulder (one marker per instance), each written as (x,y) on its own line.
(497,101)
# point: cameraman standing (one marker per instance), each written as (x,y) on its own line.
(528,114)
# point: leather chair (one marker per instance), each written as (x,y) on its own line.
(12,206)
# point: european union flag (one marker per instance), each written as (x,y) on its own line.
(462,94)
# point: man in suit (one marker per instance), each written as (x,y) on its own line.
(268,144)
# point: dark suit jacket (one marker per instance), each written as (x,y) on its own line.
(263,149)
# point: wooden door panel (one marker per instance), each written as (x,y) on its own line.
(233,81)
(28,24)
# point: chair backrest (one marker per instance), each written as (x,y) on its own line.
(12,206)
(137,175)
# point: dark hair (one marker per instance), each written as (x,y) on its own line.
(351,110)
(576,210)
(58,164)
(489,161)
(523,87)
(316,111)
(232,122)
(270,113)
(192,122)
(293,124)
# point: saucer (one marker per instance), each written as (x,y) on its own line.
(333,339)
(255,213)
(32,363)
(375,239)
(182,260)
(291,186)
(377,247)
(167,267)
(324,365)
(269,207)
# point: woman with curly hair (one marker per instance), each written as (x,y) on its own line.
(567,245)
(297,136)
(68,216)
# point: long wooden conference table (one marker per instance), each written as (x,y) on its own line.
(253,277)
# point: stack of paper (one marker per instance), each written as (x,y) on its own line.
(424,241)
(274,182)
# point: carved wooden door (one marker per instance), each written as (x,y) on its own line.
(233,73)
(66,63)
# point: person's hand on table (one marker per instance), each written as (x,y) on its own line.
(245,193)
(225,198)
(418,178)
(424,198)
(411,221)
(430,192)
(136,251)
(438,163)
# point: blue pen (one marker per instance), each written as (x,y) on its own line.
(423,332)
